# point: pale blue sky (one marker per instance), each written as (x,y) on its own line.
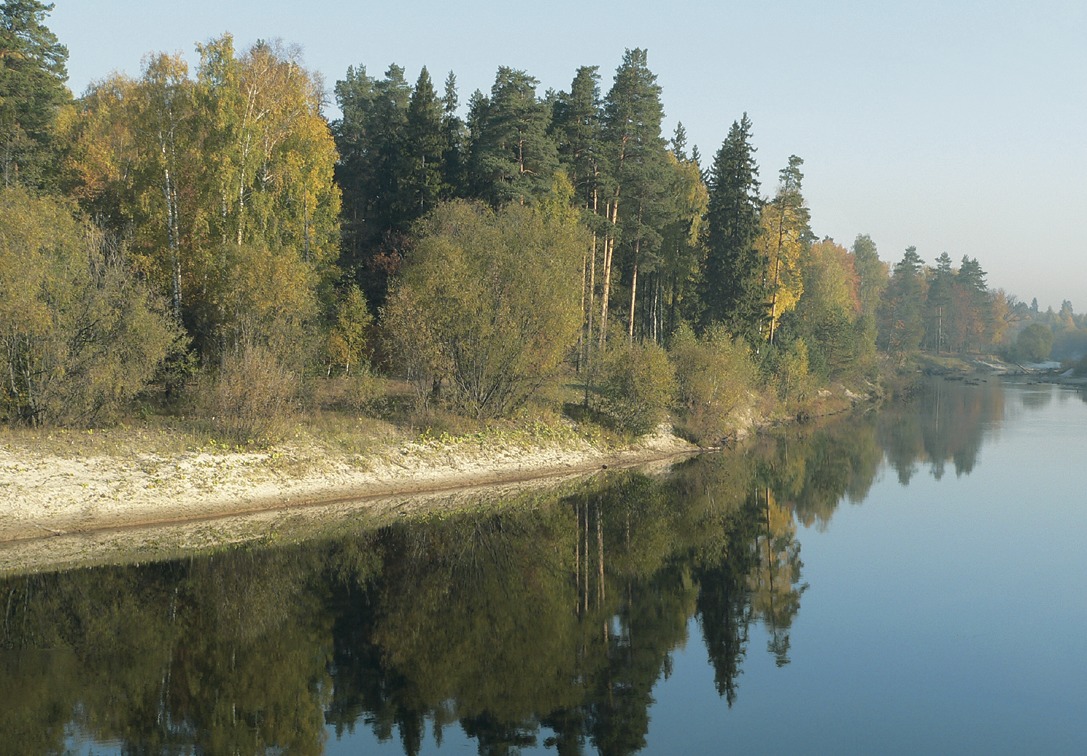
(953,125)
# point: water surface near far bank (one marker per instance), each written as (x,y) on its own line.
(905,581)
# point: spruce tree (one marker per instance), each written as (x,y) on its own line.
(424,151)
(733,272)
(456,142)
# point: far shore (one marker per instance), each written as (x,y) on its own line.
(74,498)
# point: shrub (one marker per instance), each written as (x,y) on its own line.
(636,387)
(488,306)
(80,335)
(714,376)
(252,395)
(1034,343)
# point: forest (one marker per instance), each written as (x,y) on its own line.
(208,242)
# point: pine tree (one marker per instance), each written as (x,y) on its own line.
(32,90)
(636,149)
(577,128)
(513,157)
(938,305)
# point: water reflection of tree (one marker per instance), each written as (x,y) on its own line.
(774,581)
(541,620)
(171,658)
(946,422)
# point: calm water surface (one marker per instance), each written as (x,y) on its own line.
(908,581)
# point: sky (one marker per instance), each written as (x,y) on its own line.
(953,126)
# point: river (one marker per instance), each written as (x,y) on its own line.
(910,580)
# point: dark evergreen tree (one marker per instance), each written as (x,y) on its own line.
(373,176)
(425,148)
(513,158)
(576,126)
(32,89)
(355,169)
(387,133)
(733,271)
(456,141)
(938,311)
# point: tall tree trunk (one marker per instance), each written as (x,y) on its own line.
(609,253)
(172,234)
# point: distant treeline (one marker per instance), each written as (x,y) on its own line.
(210,231)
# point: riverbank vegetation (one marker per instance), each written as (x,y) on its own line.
(205,243)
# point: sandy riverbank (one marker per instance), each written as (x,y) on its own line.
(58,509)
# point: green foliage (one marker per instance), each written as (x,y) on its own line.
(641,200)
(828,316)
(784,242)
(512,155)
(32,93)
(901,323)
(79,334)
(577,130)
(347,339)
(261,296)
(732,271)
(636,387)
(488,306)
(187,168)
(1034,343)
(871,275)
(715,376)
(424,147)
(787,365)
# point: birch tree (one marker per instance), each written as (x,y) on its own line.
(785,236)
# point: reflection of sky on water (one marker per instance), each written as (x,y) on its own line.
(945,616)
